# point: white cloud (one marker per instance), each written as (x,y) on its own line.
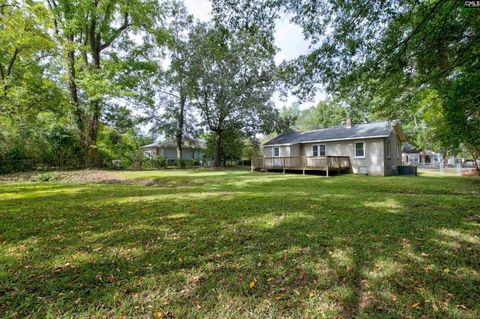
(201,9)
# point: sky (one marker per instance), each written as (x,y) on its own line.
(288,38)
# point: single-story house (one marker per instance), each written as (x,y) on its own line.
(412,156)
(168,150)
(373,149)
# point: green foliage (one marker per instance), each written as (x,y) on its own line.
(158,162)
(251,148)
(231,145)
(324,114)
(27,54)
(47,177)
(116,146)
(383,57)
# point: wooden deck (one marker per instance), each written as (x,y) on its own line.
(337,164)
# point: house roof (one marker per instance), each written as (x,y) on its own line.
(409,149)
(370,130)
(188,144)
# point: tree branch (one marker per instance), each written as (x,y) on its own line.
(12,61)
(116,33)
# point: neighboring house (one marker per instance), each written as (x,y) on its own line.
(373,149)
(168,150)
(414,157)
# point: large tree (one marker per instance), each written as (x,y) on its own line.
(234,76)
(381,55)
(88,31)
(173,114)
(26,55)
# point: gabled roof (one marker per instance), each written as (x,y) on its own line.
(371,130)
(409,149)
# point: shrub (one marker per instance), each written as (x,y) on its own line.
(47,177)
(192,162)
(182,163)
(158,162)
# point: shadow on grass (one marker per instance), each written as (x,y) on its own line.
(311,247)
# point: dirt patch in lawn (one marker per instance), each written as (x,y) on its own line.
(81,176)
(98,177)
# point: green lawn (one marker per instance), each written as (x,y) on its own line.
(235,244)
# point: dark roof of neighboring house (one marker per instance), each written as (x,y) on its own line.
(376,129)
(409,149)
(195,144)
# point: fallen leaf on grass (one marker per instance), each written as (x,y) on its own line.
(424,254)
(415,305)
(311,294)
(252,284)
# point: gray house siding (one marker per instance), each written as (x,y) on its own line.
(394,159)
(170,153)
(373,161)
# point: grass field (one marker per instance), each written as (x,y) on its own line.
(235,244)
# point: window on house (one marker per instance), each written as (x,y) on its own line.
(276,151)
(389,149)
(323,149)
(359,149)
(318,150)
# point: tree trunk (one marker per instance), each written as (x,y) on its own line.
(218,149)
(95,48)
(72,87)
(181,121)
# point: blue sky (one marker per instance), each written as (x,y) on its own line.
(288,38)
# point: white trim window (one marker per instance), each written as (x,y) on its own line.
(359,149)
(319,150)
(276,151)
(389,149)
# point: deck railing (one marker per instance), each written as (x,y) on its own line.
(321,163)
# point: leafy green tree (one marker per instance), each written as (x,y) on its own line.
(231,147)
(176,119)
(234,76)
(27,86)
(102,59)
(287,118)
(379,55)
(462,112)
(324,114)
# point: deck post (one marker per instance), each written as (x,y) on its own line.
(327,164)
(283,165)
(251,164)
(338,161)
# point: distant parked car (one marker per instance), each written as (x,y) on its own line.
(469,164)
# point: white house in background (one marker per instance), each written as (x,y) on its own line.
(373,149)
(412,156)
(168,150)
